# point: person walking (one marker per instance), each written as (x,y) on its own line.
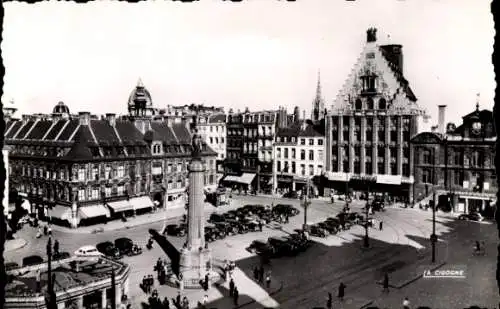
(260,225)
(178,299)
(329,302)
(231,287)
(341,291)
(380,225)
(185,303)
(287,220)
(268,279)
(386,283)
(406,303)
(236,294)
(56,247)
(166,303)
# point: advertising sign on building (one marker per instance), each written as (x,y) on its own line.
(389,179)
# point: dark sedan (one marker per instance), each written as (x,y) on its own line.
(282,246)
(211,234)
(298,240)
(176,230)
(473,216)
(317,231)
(215,218)
(329,226)
(124,245)
(108,249)
(261,247)
(32,260)
(285,209)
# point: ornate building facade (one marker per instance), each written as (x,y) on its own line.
(457,163)
(370,125)
(79,170)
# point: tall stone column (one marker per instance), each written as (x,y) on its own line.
(104,300)
(351,144)
(387,157)
(375,146)
(196,222)
(79,302)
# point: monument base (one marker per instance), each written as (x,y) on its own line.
(195,264)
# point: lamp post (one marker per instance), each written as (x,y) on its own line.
(306,204)
(433,235)
(50,296)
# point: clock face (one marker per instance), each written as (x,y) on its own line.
(476,127)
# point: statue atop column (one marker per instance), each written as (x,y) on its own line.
(197,145)
(371,35)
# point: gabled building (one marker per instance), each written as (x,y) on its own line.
(370,125)
(457,164)
(212,129)
(79,170)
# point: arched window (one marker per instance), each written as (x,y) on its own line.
(358,105)
(382,104)
(369,103)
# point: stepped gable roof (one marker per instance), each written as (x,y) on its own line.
(69,130)
(40,129)
(55,130)
(104,132)
(165,132)
(312,130)
(398,73)
(217,118)
(292,130)
(129,134)
(80,150)
(15,127)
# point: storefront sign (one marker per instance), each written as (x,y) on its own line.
(337,176)
(367,178)
(389,179)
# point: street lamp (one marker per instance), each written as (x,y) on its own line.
(433,235)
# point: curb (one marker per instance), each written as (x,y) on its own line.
(410,281)
(366,305)
(253,301)
(24,244)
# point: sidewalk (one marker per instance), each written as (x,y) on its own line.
(14,244)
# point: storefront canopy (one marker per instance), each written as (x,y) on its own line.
(246,178)
(141,202)
(60,212)
(119,206)
(93,211)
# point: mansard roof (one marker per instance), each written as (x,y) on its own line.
(217,118)
(292,130)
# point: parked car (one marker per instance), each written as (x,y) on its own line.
(11,266)
(282,246)
(215,218)
(176,230)
(224,229)
(261,247)
(341,220)
(285,209)
(108,249)
(61,256)
(32,260)
(299,241)
(354,217)
(211,234)
(330,226)
(291,194)
(124,245)
(87,251)
(236,227)
(473,216)
(228,216)
(251,225)
(255,209)
(317,231)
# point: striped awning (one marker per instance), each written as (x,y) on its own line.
(141,202)
(120,206)
(60,212)
(93,211)
(246,178)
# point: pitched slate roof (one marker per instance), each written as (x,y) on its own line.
(217,118)
(165,132)
(104,132)
(39,130)
(312,131)
(80,149)
(15,127)
(68,130)
(25,129)
(291,130)
(129,134)
(182,133)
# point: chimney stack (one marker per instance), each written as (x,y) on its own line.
(111,118)
(441,119)
(84,118)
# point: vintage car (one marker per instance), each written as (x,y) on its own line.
(127,247)
(176,230)
(211,234)
(473,216)
(261,247)
(317,231)
(108,249)
(299,241)
(215,218)
(285,209)
(282,246)
(330,226)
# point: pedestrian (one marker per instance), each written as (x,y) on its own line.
(268,279)
(380,225)
(185,303)
(386,283)
(287,219)
(205,283)
(166,303)
(261,274)
(45,230)
(341,291)
(56,247)
(143,285)
(49,230)
(205,299)
(235,296)
(178,299)
(406,303)
(260,225)
(329,301)
(231,287)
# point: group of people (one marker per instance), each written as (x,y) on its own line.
(258,274)
(161,270)
(148,283)
(233,292)
(229,267)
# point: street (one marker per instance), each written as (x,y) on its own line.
(308,277)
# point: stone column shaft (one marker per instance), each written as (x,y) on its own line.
(196,221)
(104,300)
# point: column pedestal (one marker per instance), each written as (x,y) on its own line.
(195,264)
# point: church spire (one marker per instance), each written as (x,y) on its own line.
(318,109)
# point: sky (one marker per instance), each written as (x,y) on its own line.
(260,54)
